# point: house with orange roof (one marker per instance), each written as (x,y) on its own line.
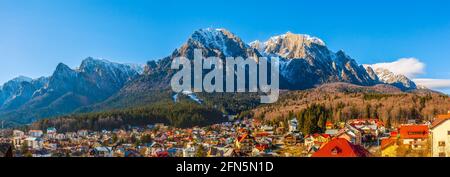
(329,125)
(389,146)
(440,136)
(245,143)
(340,147)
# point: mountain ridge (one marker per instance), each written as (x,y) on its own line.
(98,84)
(65,90)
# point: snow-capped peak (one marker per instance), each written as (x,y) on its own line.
(288,45)
(422,87)
(389,77)
(217,39)
(258,45)
(216,42)
(314,39)
(92,63)
(304,38)
(210,36)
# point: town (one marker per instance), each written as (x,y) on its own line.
(238,138)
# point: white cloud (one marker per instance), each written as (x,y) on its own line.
(409,67)
(435,84)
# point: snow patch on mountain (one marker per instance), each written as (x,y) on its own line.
(212,38)
(191,96)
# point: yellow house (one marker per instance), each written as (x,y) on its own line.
(389,147)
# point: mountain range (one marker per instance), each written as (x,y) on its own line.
(96,85)
(24,100)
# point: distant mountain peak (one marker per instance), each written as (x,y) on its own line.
(389,77)
(218,39)
(288,45)
(90,61)
(303,38)
(66,89)
(22,79)
(217,42)
(62,67)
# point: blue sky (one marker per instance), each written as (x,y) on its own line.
(35,35)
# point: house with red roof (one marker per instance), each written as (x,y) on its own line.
(440,136)
(340,147)
(414,135)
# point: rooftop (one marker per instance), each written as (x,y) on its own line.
(440,119)
(340,147)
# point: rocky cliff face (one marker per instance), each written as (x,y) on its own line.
(307,62)
(18,91)
(388,77)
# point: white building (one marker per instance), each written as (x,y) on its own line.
(18,133)
(440,136)
(60,136)
(51,130)
(103,151)
(17,141)
(35,133)
(293,125)
(35,143)
(83,132)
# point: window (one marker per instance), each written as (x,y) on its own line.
(336,151)
(418,133)
(448,132)
(442,154)
(441,143)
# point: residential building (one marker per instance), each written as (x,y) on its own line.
(293,125)
(389,147)
(351,134)
(18,133)
(51,130)
(83,133)
(414,135)
(340,147)
(440,136)
(36,133)
(33,142)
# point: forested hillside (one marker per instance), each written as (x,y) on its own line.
(339,103)
(182,114)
